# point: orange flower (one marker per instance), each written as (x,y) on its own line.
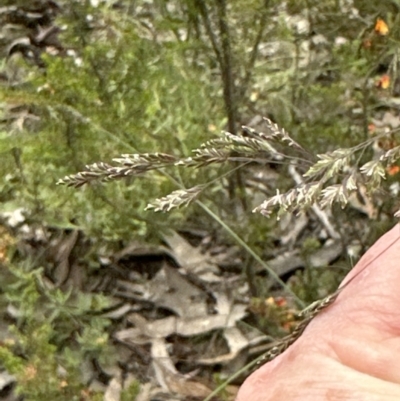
(392,170)
(280,301)
(383,82)
(381,27)
(371,129)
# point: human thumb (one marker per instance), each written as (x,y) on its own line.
(357,337)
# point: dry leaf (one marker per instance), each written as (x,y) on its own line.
(168,289)
(60,254)
(188,257)
(113,392)
(169,378)
(145,331)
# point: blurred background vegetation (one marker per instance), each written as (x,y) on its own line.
(86,81)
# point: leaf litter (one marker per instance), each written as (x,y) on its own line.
(179,313)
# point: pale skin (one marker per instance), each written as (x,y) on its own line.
(351,351)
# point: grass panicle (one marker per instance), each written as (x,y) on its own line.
(330,179)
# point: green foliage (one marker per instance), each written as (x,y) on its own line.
(131,392)
(314,284)
(153,77)
(131,87)
(121,92)
(55,332)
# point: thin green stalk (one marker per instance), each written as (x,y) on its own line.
(248,249)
